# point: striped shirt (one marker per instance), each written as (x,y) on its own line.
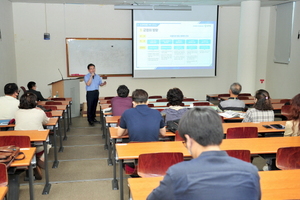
(254,115)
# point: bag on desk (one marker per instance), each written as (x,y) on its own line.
(9,153)
(172,125)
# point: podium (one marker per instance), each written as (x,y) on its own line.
(67,88)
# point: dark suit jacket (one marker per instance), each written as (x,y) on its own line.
(212,176)
(38,95)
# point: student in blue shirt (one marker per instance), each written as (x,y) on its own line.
(92,81)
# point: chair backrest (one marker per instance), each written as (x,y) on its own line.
(17,140)
(53,103)
(48,114)
(58,99)
(201,104)
(150,105)
(242,132)
(157,164)
(285,100)
(161,100)
(155,97)
(50,107)
(107,98)
(243,98)
(188,99)
(23,88)
(223,95)
(285,110)
(288,158)
(3,175)
(178,137)
(240,154)
(244,95)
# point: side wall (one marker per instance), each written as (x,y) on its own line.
(7,47)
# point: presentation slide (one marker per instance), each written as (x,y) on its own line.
(181,47)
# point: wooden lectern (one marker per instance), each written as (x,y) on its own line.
(68,88)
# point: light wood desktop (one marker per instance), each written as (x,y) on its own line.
(255,145)
(38,136)
(275,185)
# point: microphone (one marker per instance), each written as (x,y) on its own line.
(62,78)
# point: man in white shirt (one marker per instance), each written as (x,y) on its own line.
(9,103)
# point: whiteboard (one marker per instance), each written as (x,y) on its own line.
(111,56)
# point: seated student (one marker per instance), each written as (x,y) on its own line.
(262,110)
(211,174)
(122,102)
(30,117)
(233,103)
(33,89)
(142,123)
(9,103)
(292,127)
(175,111)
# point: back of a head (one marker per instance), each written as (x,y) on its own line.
(263,100)
(30,85)
(10,88)
(175,96)
(235,88)
(295,107)
(28,101)
(123,91)
(203,125)
(139,96)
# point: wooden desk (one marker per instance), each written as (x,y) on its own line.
(255,145)
(66,122)
(3,191)
(59,114)
(275,185)
(259,126)
(38,136)
(13,179)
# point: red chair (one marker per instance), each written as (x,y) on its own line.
(53,103)
(157,164)
(108,101)
(50,107)
(285,100)
(48,114)
(188,99)
(242,132)
(161,100)
(3,175)
(150,105)
(160,110)
(244,95)
(58,99)
(23,89)
(223,95)
(178,137)
(201,104)
(155,97)
(19,141)
(243,98)
(288,158)
(240,154)
(286,112)
(108,98)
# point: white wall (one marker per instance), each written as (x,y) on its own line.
(38,60)
(7,50)
(283,80)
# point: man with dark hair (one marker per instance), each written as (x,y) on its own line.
(92,81)
(32,88)
(233,103)
(9,103)
(211,174)
(142,123)
(122,102)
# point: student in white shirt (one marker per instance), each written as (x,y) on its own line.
(9,103)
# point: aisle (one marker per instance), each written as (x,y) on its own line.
(83,172)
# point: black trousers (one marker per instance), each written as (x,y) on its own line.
(92,101)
